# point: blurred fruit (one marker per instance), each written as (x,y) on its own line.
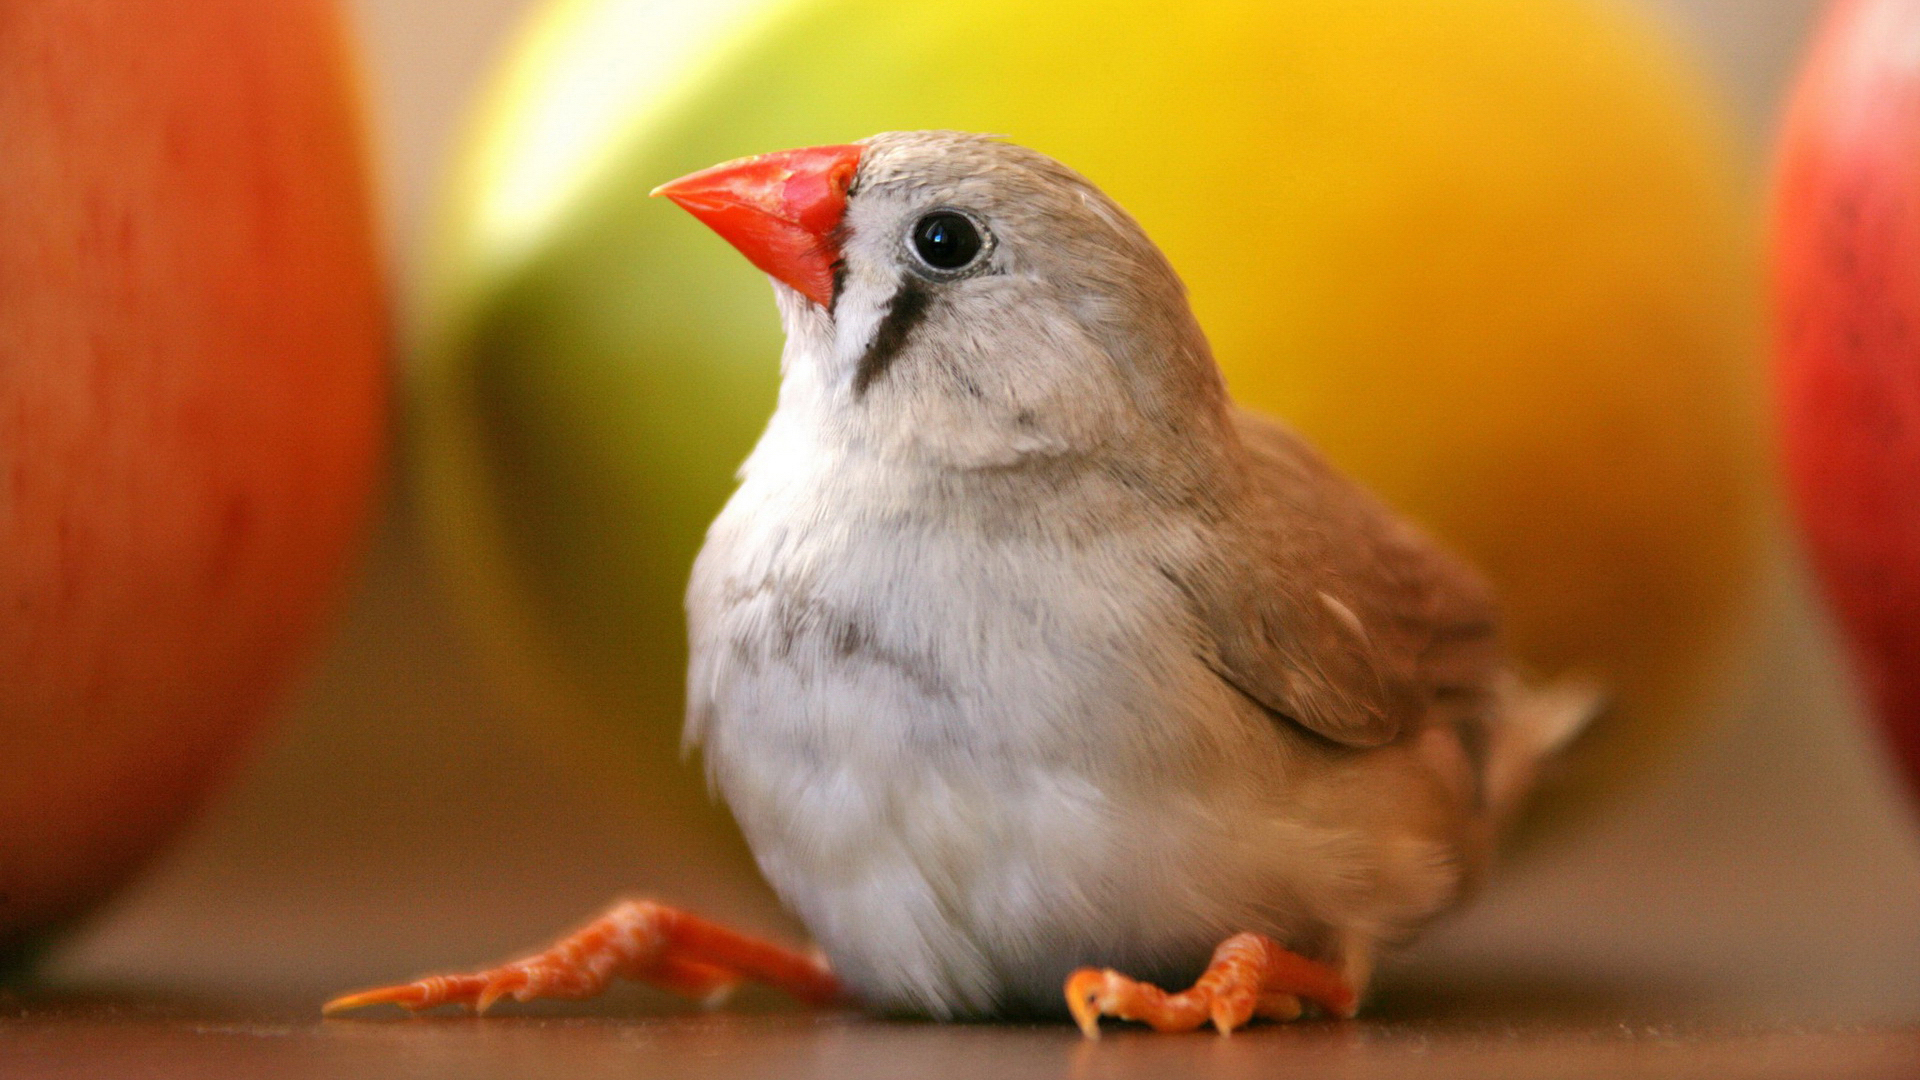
(1846,286)
(192,393)
(1487,253)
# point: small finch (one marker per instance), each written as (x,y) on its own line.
(1042,679)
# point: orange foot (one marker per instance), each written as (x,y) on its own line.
(636,939)
(1250,975)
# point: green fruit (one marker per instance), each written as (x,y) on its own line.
(1487,253)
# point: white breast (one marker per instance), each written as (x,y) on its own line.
(972,755)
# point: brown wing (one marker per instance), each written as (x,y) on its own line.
(1330,609)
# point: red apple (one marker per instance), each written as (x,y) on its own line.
(1847,297)
(192,393)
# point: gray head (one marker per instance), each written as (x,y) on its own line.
(980,303)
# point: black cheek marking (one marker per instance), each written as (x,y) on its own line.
(837,240)
(839,284)
(904,311)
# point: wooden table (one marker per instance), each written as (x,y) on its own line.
(42,1038)
(1755,912)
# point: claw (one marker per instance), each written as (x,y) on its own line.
(364,998)
(498,987)
(1229,1013)
(413,997)
(1086,990)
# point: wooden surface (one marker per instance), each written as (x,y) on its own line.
(1753,912)
(42,1039)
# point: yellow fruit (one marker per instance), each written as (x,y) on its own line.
(1487,253)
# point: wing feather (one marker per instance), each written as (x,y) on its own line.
(1331,610)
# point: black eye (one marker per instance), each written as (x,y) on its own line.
(946,240)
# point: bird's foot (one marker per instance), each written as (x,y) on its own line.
(1250,975)
(636,939)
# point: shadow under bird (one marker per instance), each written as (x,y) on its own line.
(1038,675)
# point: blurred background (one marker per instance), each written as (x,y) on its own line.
(404,814)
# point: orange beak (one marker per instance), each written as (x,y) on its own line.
(781,210)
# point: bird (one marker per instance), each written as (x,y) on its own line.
(1042,679)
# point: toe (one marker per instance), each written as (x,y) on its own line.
(1230,1011)
(1086,990)
(414,996)
(405,995)
(499,984)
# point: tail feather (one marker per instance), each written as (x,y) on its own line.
(1535,723)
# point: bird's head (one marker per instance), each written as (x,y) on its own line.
(959,296)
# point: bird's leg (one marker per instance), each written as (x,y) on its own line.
(636,939)
(1250,975)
